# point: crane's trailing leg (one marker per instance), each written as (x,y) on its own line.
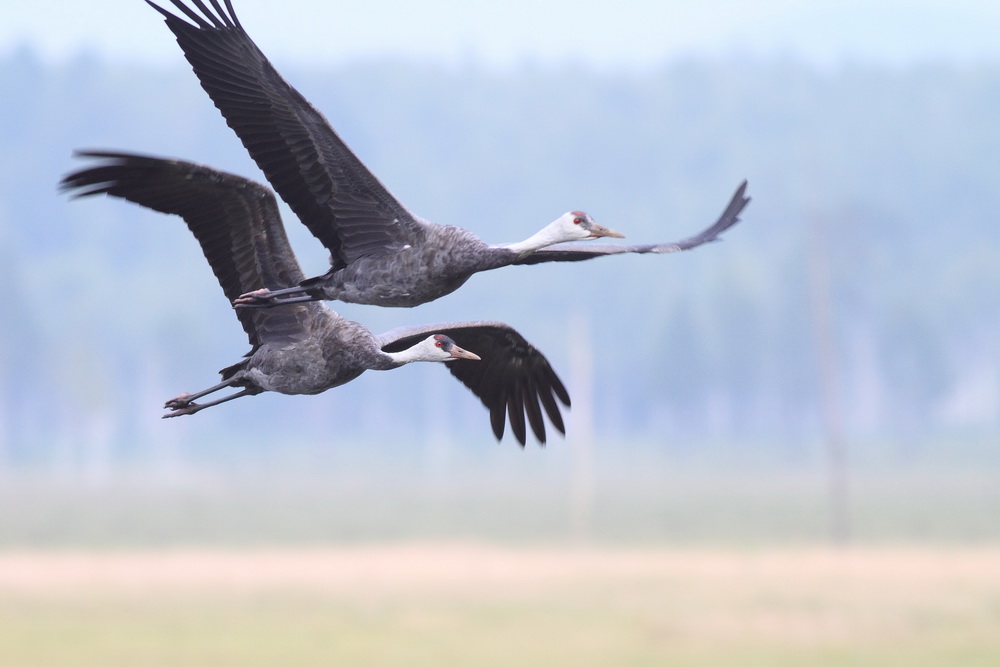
(185,398)
(264,297)
(184,405)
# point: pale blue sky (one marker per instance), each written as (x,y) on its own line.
(504,33)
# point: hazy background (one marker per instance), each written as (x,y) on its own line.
(856,306)
(828,374)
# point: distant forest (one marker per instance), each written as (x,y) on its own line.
(863,283)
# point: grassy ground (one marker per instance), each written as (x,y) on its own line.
(461,604)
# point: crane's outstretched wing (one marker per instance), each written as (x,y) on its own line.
(573,252)
(341,202)
(513,379)
(235,220)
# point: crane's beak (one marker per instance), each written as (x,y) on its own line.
(597,231)
(459,353)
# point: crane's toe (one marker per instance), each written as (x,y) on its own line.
(178,402)
(262,295)
(181,408)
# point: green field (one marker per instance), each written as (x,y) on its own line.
(464,604)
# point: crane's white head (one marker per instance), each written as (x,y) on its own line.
(572,226)
(437,347)
(440,347)
(579,226)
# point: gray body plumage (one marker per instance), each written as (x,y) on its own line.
(447,257)
(331,351)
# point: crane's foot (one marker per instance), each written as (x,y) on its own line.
(178,403)
(254,298)
(182,409)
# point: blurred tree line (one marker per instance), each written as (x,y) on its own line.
(886,177)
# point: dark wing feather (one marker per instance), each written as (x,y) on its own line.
(341,202)
(511,380)
(576,252)
(531,408)
(235,220)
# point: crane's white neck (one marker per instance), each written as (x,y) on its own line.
(548,235)
(409,355)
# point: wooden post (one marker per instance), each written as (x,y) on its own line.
(828,365)
(581,423)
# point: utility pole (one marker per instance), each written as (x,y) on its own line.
(581,438)
(828,364)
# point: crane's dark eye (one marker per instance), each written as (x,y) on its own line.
(577,221)
(438,343)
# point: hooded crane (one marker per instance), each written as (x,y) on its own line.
(306,348)
(380,253)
